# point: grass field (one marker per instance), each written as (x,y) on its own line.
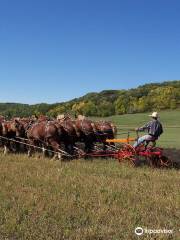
(43,199)
(169,119)
(83,199)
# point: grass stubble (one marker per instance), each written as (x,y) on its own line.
(82,199)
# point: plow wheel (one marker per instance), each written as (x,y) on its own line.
(127,154)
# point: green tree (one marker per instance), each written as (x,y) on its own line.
(121,104)
(161,97)
(105,109)
(89,109)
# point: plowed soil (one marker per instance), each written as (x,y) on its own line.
(174,155)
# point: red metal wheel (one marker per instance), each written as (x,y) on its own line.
(127,153)
(128,148)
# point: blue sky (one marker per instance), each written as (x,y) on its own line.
(55,50)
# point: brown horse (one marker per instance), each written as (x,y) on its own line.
(70,133)
(17,127)
(11,130)
(87,133)
(105,130)
(27,123)
(42,118)
(45,134)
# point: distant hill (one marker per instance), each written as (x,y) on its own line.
(148,97)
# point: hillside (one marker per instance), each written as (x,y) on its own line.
(159,96)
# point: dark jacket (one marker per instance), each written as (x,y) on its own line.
(153,127)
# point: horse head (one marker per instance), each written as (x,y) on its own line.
(17,127)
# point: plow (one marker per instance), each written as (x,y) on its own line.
(120,149)
(124,152)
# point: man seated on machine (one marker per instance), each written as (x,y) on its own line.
(154,128)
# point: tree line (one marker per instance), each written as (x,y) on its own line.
(149,97)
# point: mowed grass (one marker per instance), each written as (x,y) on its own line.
(83,199)
(170,120)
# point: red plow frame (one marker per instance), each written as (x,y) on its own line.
(150,155)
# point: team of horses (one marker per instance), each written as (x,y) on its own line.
(58,135)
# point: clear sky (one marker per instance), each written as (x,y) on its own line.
(55,50)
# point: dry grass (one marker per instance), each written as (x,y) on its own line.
(43,199)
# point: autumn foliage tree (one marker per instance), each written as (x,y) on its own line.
(149,97)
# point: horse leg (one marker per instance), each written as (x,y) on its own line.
(59,156)
(44,151)
(86,146)
(5,150)
(6,147)
(29,151)
(89,143)
(56,147)
(31,148)
(69,146)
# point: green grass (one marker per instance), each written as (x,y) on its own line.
(169,119)
(43,199)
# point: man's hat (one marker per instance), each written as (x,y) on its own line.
(154,115)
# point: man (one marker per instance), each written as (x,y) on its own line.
(154,128)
